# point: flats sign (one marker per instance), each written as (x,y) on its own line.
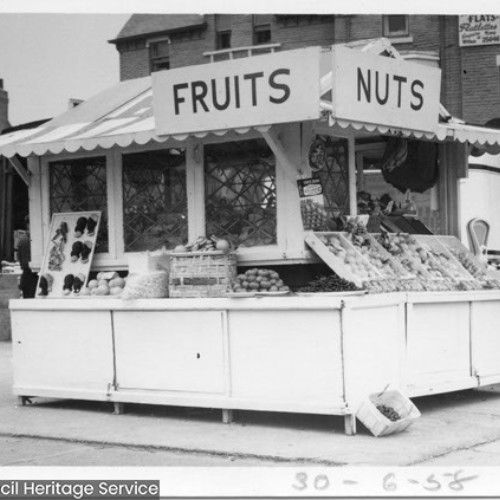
(381,90)
(251,91)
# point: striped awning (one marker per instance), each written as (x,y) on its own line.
(119,116)
(123,115)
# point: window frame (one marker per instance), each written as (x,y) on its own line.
(261,24)
(395,34)
(101,258)
(219,37)
(158,59)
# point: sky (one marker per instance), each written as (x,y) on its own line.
(55,50)
(46,59)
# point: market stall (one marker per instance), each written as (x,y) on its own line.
(235,177)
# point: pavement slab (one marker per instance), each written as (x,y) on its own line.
(449,423)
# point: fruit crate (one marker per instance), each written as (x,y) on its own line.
(410,254)
(377,423)
(466,258)
(342,257)
(379,257)
(201,274)
(444,257)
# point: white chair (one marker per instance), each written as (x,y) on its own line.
(478,231)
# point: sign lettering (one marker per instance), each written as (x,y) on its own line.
(381,90)
(273,88)
(478,30)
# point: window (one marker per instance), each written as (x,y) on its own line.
(80,185)
(240,192)
(223,31)
(160,55)
(154,200)
(223,40)
(261,29)
(396,25)
(331,168)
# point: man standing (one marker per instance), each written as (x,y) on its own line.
(29,279)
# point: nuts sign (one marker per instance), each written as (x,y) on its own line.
(381,90)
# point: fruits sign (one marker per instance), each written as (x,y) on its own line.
(251,91)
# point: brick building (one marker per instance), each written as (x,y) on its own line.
(470,79)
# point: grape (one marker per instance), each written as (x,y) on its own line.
(389,412)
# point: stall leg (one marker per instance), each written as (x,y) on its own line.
(227,416)
(118,409)
(22,400)
(350,424)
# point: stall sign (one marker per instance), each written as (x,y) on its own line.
(251,91)
(382,90)
(478,30)
(309,187)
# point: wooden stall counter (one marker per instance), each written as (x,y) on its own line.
(289,354)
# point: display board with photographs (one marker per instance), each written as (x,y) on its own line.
(68,256)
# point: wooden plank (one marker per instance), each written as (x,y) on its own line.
(68,352)
(294,358)
(170,351)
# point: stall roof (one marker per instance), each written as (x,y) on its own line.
(121,115)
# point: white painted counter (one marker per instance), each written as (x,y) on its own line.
(296,354)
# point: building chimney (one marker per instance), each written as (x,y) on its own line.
(4,107)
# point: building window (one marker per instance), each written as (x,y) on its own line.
(223,40)
(223,31)
(159,55)
(80,186)
(240,192)
(261,29)
(154,200)
(396,25)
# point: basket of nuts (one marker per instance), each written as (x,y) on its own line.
(386,413)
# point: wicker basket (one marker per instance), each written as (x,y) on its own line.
(201,274)
(377,423)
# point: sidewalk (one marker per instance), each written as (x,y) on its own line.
(449,423)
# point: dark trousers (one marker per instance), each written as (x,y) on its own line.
(28,283)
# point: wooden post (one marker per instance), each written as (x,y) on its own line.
(350,424)
(227,416)
(3,234)
(353,203)
(119,408)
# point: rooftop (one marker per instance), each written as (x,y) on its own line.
(141,24)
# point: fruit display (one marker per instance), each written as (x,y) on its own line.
(314,216)
(349,256)
(412,256)
(259,280)
(105,283)
(439,285)
(490,284)
(381,286)
(329,283)
(377,256)
(203,244)
(389,412)
(464,256)
(444,257)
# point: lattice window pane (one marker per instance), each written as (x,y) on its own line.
(240,192)
(154,200)
(80,186)
(334,176)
